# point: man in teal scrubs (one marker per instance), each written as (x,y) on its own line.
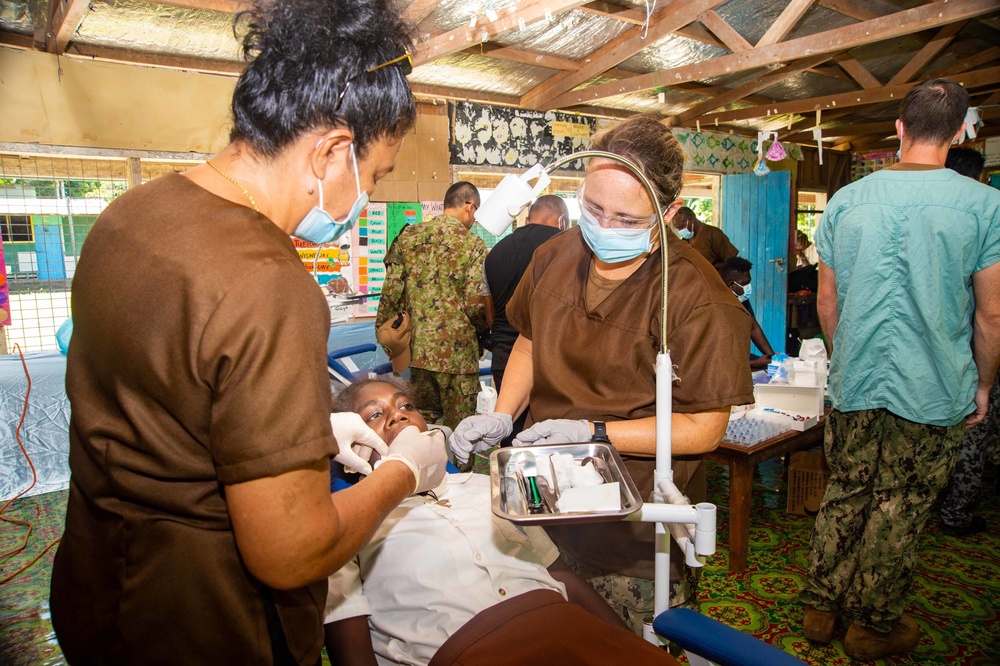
(909,299)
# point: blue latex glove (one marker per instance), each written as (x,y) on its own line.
(555,431)
(479,433)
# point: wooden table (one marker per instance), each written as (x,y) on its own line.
(741,461)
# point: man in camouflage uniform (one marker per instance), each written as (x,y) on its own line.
(909,282)
(434,271)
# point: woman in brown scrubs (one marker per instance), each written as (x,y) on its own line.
(200,527)
(588,314)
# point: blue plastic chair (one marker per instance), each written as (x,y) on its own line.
(341,373)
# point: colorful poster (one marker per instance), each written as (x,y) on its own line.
(371,242)
(4,292)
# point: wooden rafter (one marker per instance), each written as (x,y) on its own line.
(635,17)
(478,96)
(789,18)
(419,10)
(976,79)
(463,37)
(226,6)
(674,16)
(927,53)
(64,18)
(857,71)
(849,8)
(525,57)
(980,58)
(717,25)
(128,56)
(756,85)
(927,16)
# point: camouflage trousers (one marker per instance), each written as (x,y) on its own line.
(442,397)
(632,598)
(886,473)
(980,442)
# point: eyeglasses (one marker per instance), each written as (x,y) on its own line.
(405,61)
(614,221)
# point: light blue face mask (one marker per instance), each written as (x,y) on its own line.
(319,227)
(747,290)
(685,233)
(614,245)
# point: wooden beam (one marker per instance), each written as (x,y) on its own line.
(524,57)
(675,15)
(632,16)
(851,9)
(976,79)
(857,71)
(749,88)
(225,6)
(980,58)
(901,23)
(64,19)
(478,96)
(698,33)
(927,53)
(109,54)
(717,25)
(463,37)
(419,10)
(17,41)
(789,18)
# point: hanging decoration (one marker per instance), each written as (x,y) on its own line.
(818,136)
(776,152)
(972,122)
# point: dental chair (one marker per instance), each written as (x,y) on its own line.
(707,641)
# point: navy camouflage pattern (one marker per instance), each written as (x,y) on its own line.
(886,473)
(981,442)
(434,271)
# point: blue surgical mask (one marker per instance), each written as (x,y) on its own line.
(747,290)
(319,227)
(613,246)
(685,233)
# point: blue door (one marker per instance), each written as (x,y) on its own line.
(49,249)
(756,215)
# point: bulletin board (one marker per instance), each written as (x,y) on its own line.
(356,260)
(4,291)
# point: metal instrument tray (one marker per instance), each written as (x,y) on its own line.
(630,498)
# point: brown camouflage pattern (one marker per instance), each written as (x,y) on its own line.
(886,473)
(434,271)
(441,397)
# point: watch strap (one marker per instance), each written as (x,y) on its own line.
(600,432)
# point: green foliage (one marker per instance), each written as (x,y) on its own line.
(701,207)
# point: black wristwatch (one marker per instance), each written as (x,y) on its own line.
(600,433)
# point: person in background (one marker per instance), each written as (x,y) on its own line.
(736,274)
(200,526)
(444,577)
(587,312)
(909,301)
(434,272)
(805,252)
(709,241)
(505,264)
(963,491)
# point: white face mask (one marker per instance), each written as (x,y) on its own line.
(747,290)
(320,227)
(685,233)
(613,246)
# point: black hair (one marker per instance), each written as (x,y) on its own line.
(966,161)
(550,203)
(733,267)
(460,193)
(933,111)
(302,54)
(346,400)
(685,213)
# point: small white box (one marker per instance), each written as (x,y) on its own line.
(804,400)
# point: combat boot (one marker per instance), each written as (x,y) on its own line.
(818,625)
(866,644)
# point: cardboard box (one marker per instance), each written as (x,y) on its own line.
(808,474)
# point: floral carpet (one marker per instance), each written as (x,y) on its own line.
(955,596)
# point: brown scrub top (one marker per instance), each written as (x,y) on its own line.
(713,244)
(198,359)
(599,364)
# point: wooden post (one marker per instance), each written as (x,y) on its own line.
(133,171)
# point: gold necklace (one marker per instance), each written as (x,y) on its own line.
(233,181)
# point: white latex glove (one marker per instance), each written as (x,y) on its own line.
(356,441)
(554,431)
(423,452)
(479,433)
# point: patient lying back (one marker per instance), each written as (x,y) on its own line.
(443,576)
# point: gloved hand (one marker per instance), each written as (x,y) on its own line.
(423,452)
(554,431)
(356,441)
(479,433)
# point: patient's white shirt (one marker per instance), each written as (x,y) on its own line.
(432,566)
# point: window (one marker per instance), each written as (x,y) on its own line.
(808,210)
(16,229)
